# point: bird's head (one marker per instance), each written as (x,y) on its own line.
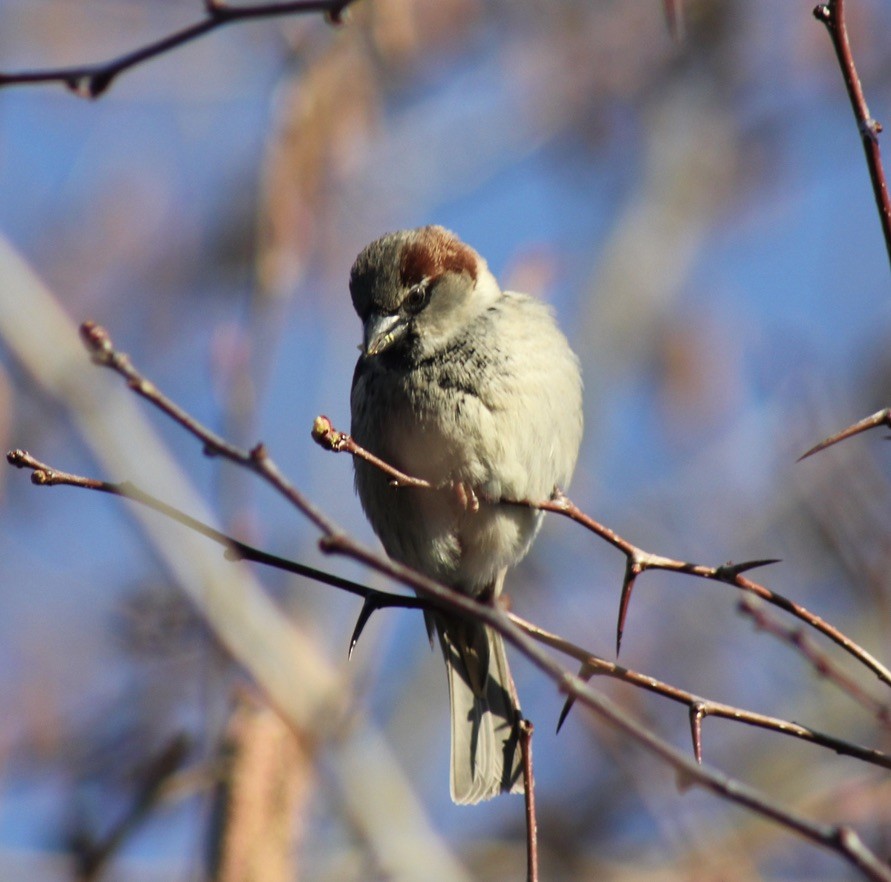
(414,290)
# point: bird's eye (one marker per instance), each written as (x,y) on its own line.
(416,299)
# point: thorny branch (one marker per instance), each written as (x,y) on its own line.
(832,14)
(840,839)
(637,560)
(699,707)
(797,639)
(92,80)
(592,665)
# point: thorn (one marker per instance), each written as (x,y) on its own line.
(882,417)
(375,600)
(729,571)
(369,606)
(336,15)
(99,83)
(697,713)
(567,707)
(631,573)
(585,673)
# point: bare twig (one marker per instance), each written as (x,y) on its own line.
(699,707)
(325,435)
(832,14)
(49,476)
(92,80)
(592,665)
(256,459)
(797,639)
(839,839)
(842,840)
(526,732)
(637,560)
(92,856)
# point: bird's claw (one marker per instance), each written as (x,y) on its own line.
(466,497)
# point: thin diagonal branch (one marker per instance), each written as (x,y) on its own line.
(92,80)
(48,476)
(700,708)
(256,459)
(842,840)
(832,14)
(799,641)
(637,559)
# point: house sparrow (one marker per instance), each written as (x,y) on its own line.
(476,390)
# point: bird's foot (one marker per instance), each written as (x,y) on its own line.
(465,497)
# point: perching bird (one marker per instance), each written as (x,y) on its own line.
(476,390)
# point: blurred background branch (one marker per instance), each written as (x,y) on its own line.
(92,80)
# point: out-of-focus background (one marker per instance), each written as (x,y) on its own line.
(700,217)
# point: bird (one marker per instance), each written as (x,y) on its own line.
(477,391)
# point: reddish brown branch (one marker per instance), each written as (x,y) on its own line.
(841,840)
(49,476)
(91,80)
(832,14)
(637,560)
(526,732)
(325,435)
(699,707)
(256,459)
(45,475)
(799,641)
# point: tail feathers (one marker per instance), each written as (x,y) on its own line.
(485,713)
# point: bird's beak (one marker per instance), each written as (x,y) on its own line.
(382,331)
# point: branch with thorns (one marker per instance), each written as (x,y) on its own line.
(821,663)
(92,80)
(523,635)
(591,664)
(637,560)
(832,15)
